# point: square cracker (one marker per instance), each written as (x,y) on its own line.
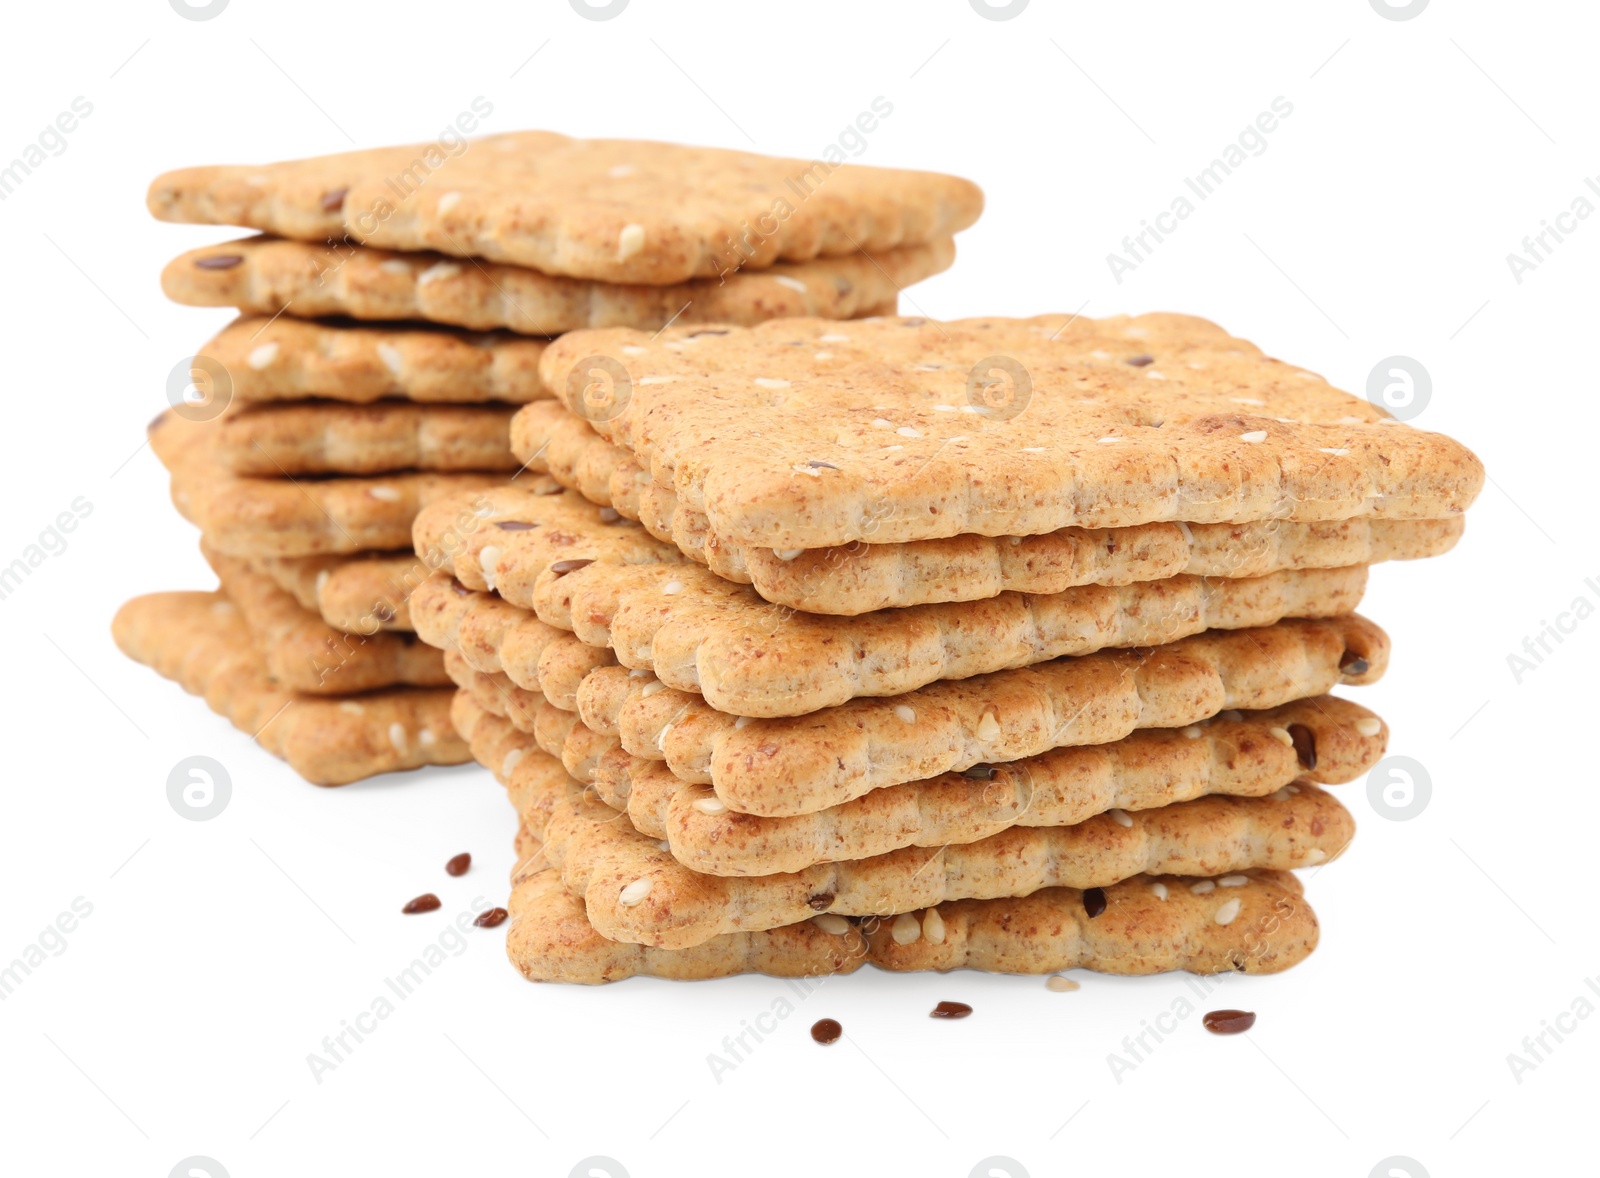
(201,641)
(806,434)
(610,209)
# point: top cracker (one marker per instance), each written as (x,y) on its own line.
(610,209)
(806,433)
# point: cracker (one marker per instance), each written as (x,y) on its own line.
(272,276)
(797,765)
(200,641)
(633,890)
(858,578)
(287,359)
(1241,755)
(611,209)
(359,594)
(320,438)
(303,653)
(297,517)
(697,632)
(496,637)
(1113,423)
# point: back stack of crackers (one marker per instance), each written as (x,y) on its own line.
(394,309)
(1006,644)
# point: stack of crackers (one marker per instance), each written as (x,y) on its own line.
(1002,643)
(393,315)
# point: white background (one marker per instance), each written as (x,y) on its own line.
(178,1018)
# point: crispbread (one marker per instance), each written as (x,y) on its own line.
(1107,423)
(857,578)
(328,438)
(200,641)
(267,275)
(303,653)
(633,890)
(610,209)
(298,517)
(286,359)
(359,594)
(797,765)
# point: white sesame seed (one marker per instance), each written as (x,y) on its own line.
(905,929)
(1060,985)
(988,727)
(1281,735)
(672,588)
(1316,855)
(387,494)
(634,894)
(1227,913)
(909,431)
(770,382)
(651,688)
(1247,400)
(791,283)
(397,736)
(883,423)
(438,272)
(510,761)
(489,562)
(1281,795)
(609,515)
(447,202)
(833,337)
(1120,817)
(944,408)
(1336,451)
(1255,435)
(822,356)
(632,350)
(1192,732)
(352,707)
(629,242)
(894,447)
(322,581)
(787,554)
(741,722)
(933,926)
(661,740)
(260,357)
(1033,450)
(656,379)
(807,469)
(1293,789)
(1109,439)
(1233,881)
(426,738)
(395,266)
(1160,890)
(1352,421)
(392,360)
(1369,726)
(1152,374)
(832,922)
(905,714)
(1203,887)
(711,805)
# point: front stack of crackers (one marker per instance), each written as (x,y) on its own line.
(393,316)
(1006,644)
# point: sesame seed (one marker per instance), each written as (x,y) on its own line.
(1281,735)
(822,356)
(1281,795)
(489,563)
(651,688)
(1203,887)
(629,242)
(1255,435)
(1160,890)
(672,588)
(352,707)
(1233,881)
(397,736)
(770,382)
(656,379)
(1336,451)
(832,922)
(1109,439)
(905,714)
(1060,985)
(988,727)
(1316,855)
(387,494)
(791,283)
(1120,817)
(787,554)
(634,893)
(632,350)
(883,423)
(510,761)
(933,926)
(392,360)
(261,356)
(1369,726)
(909,431)
(395,266)
(447,202)
(438,272)
(426,738)
(661,740)
(1192,732)
(1247,400)
(711,805)
(1227,913)
(905,929)
(833,337)
(741,722)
